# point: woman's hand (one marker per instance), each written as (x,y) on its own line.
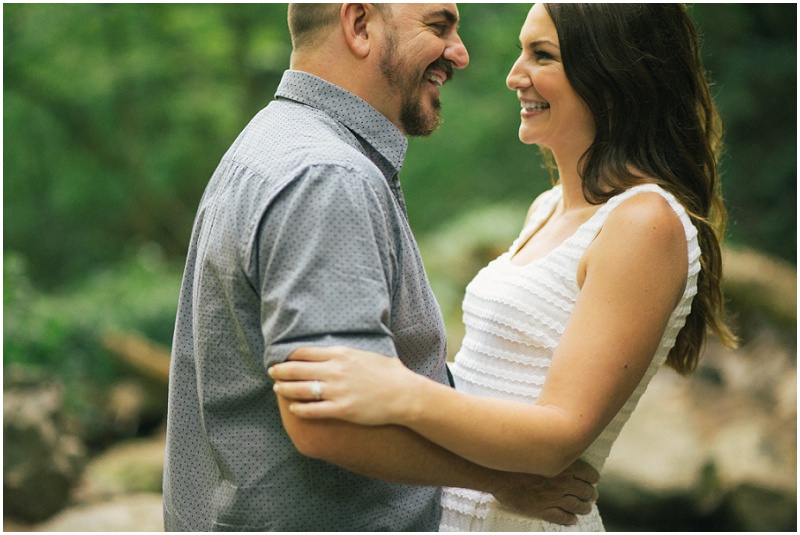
(346,384)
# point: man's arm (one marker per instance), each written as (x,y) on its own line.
(396,454)
(390,453)
(324,279)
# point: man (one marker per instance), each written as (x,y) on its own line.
(301,238)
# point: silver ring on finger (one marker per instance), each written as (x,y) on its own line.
(316,390)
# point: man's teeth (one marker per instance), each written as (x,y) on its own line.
(435,79)
(534,106)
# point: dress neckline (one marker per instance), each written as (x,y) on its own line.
(547,211)
(535,225)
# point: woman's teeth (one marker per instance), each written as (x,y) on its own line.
(534,106)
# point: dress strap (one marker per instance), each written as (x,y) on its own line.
(597,221)
(547,205)
(592,228)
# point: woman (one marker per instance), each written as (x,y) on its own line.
(616,271)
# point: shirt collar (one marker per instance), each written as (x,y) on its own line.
(353,112)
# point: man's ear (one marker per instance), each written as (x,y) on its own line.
(357,24)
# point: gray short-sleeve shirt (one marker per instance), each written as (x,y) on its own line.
(301,238)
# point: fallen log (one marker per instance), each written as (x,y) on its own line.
(760,282)
(144,357)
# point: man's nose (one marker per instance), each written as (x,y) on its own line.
(457,54)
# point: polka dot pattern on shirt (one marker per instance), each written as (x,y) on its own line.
(301,238)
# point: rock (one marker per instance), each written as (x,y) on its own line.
(42,460)
(760,509)
(131,467)
(652,469)
(138,512)
(120,491)
(720,447)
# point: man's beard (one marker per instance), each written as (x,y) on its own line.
(413,118)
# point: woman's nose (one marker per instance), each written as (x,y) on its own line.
(517,79)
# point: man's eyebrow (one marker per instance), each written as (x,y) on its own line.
(448,14)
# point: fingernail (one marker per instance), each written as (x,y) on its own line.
(276,387)
(269,372)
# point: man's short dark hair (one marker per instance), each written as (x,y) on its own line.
(306,19)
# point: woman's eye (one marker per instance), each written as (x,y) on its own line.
(541,54)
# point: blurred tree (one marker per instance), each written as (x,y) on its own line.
(115,116)
(475,158)
(751,52)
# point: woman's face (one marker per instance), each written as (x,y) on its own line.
(552,115)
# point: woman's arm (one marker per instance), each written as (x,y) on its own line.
(397,454)
(631,278)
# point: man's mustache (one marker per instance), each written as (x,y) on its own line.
(443,65)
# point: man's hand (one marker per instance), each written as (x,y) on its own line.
(557,500)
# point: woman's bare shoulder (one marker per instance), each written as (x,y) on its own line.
(646,215)
(643,235)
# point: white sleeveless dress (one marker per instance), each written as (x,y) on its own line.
(514,317)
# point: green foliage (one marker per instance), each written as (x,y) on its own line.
(115,116)
(751,53)
(60,334)
(475,158)
(750,50)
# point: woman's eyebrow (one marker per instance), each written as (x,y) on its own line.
(542,42)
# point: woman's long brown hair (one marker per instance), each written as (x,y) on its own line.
(638,68)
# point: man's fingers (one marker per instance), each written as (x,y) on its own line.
(574,505)
(558,516)
(585,492)
(585,472)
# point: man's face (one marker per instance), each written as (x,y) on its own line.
(421,49)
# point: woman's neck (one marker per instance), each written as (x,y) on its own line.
(571,184)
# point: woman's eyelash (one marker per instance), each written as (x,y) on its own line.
(538,53)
